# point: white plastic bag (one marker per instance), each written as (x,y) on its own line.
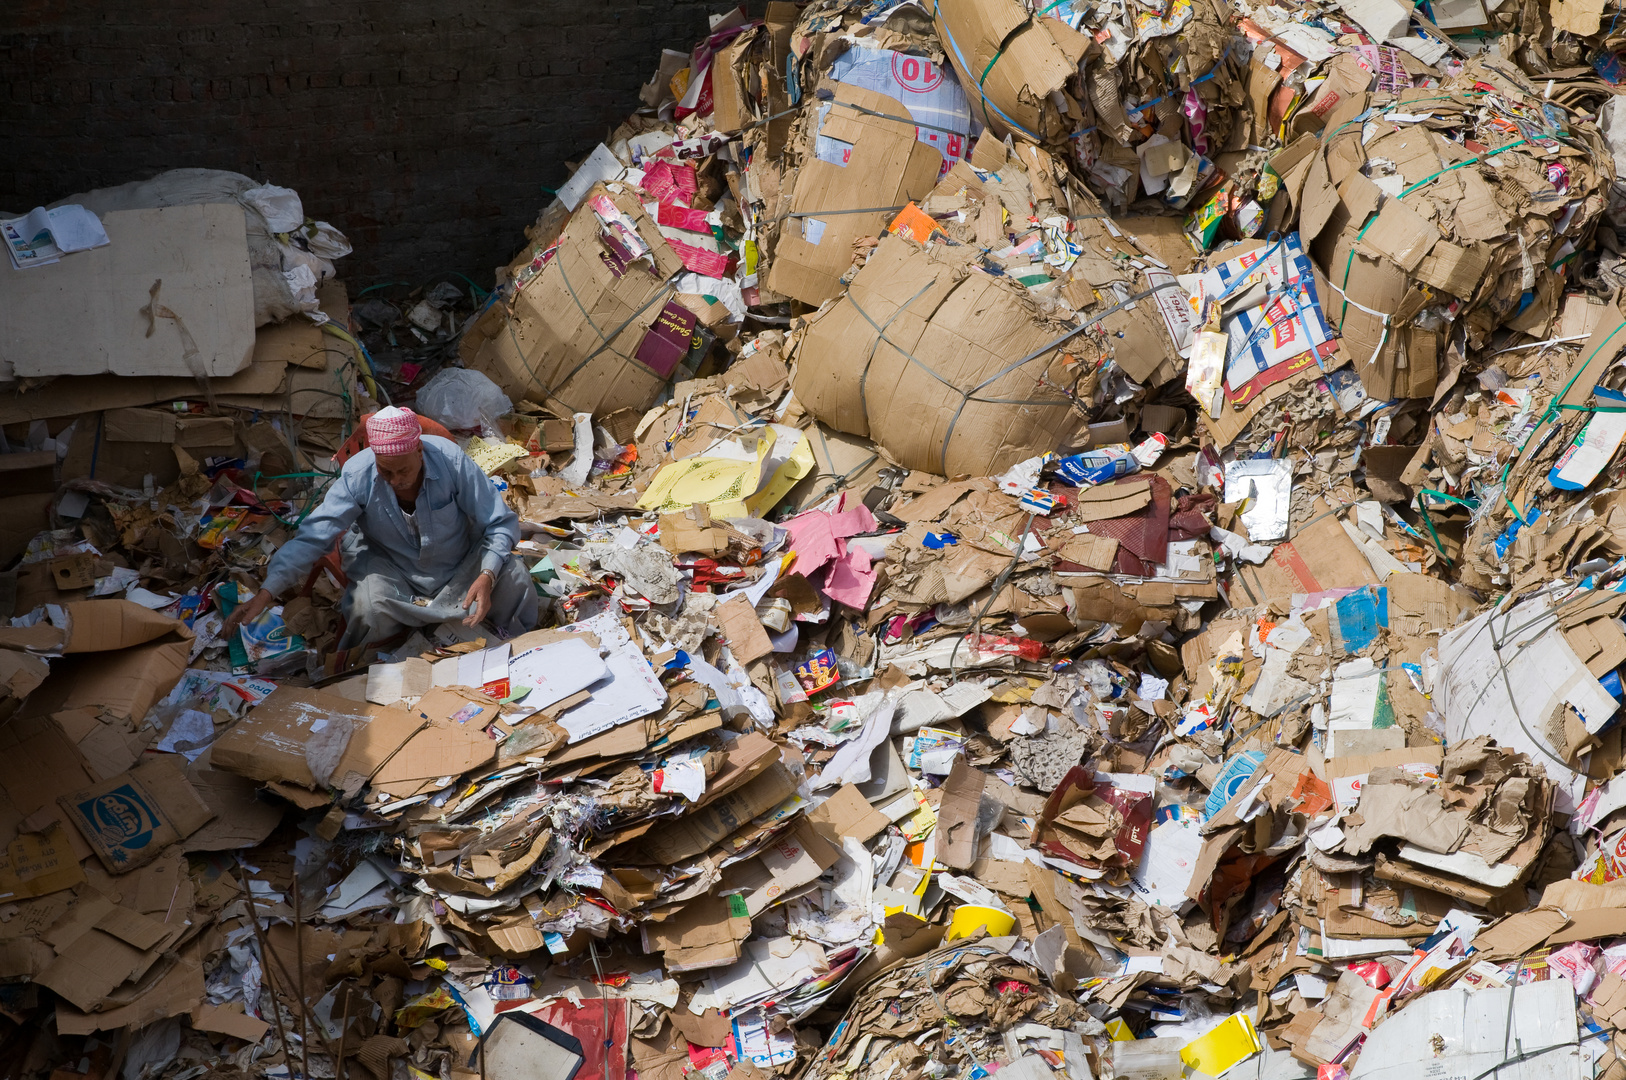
(462,399)
(280,206)
(325,241)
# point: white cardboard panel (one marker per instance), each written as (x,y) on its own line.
(83,315)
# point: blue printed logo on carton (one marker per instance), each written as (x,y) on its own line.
(122,819)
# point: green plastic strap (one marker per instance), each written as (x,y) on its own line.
(1551,413)
(1472,504)
(1552,410)
(990,67)
(1516,515)
(1429,521)
(954,48)
(1343,311)
(1348,264)
(310,503)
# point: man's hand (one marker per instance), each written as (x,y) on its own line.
(478,600)
(247,611)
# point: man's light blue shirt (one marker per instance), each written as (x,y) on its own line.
(458,510)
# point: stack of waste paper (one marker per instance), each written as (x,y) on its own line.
(1071,540)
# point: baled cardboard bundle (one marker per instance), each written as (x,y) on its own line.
(574,334)
(1369,262)
(925,356)
(1408,223)
(835,201)
(748,78)
(1172,60)
(1012,63)
(1392,360)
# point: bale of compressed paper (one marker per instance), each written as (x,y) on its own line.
(588,332)
(951,370)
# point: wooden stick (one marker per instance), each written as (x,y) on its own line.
(272,957)
(304,1002)
(265,966)
(282,969)
(120,1051)
(344,1032)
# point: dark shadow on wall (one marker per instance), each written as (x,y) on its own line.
(428,134)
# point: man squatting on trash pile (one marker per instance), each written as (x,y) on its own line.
(426,538)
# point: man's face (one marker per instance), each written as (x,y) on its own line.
(401,471)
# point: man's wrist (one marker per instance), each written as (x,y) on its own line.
(492,574)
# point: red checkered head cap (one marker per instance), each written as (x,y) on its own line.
(394,431)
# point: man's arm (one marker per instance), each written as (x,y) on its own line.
(340,507)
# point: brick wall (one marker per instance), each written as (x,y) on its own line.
(425,130)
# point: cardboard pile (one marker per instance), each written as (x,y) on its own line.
(1073,540)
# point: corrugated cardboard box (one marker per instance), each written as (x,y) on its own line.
(123,446)
(107,625)
(730,107)
(957,816)
(1393,360)
(37,863)
(277,346)
(793,861)
(122,658)
(705,933)
(198,322)
(846,813)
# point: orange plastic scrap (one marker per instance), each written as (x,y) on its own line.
(914,222)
